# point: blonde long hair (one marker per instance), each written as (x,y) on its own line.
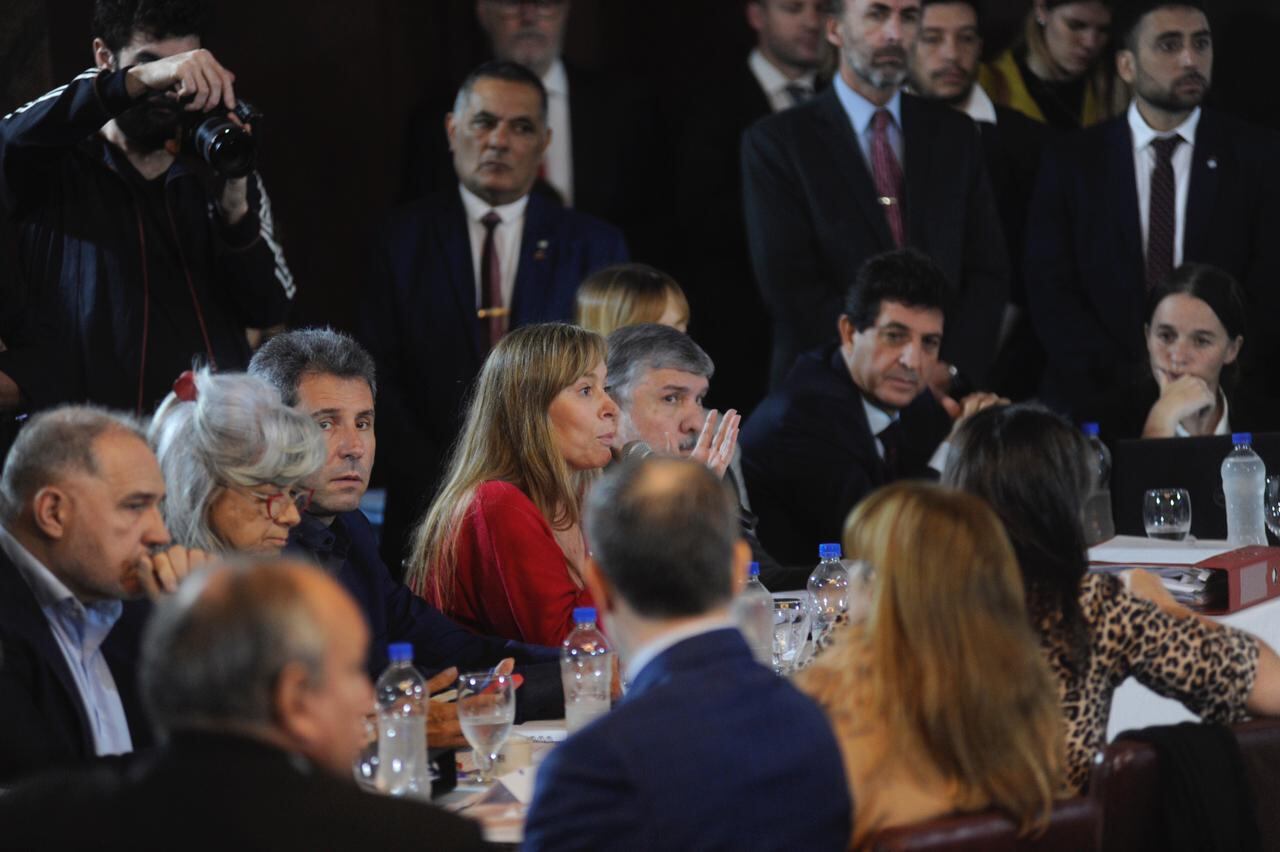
(947,661)
(507,437)
(627,294)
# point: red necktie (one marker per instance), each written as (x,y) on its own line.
(1161,212)
(491,308)
(887,174)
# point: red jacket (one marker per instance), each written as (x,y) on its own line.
(512,578)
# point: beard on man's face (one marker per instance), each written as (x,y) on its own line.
(150,124)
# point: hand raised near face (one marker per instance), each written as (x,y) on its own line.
(160,573)
(716,445)
(196,75)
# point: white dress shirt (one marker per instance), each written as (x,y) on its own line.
(1144,160)
(979,105)
(1223,427)
(774,82)
(506,238)
(557,163)
(79,630)
(861,111)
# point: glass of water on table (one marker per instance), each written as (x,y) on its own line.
(1166,513)
(486,711)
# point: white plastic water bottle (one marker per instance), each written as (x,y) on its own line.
(1244,478)
(828,592)
(586,671)
(402,726)
(1099,525)
(753,613)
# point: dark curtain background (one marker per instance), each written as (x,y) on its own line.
(337,81)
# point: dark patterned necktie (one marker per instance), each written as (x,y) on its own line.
(1161,212)
(798,93)
(887,174)
(491,308)
(891,439)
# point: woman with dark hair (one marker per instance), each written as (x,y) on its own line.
(1056,72)
(1194,333)
(501,549)
(1031,466)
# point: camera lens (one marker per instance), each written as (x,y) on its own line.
(224,146)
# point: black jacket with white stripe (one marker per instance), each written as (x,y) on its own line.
(127,281)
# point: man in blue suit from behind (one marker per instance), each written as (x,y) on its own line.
(704,733)
(454,271)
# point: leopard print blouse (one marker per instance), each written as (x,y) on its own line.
(1210,670)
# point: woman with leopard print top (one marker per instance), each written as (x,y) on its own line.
(1097,630)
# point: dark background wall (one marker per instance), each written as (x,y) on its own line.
(337,81)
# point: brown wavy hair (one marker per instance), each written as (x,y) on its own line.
(507,437)
(947,661)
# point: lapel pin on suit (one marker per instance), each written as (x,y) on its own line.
(1213,162)
(541,253)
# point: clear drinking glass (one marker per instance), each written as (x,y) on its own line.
(1166,513)
(486,710)
(1271,501)
(790,631)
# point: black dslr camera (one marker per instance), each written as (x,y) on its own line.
(226,147)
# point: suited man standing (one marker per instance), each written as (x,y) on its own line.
(864,168)
(256,673)
(944,67)
(454,271)
(1121,205)
(728,315)
(666,563)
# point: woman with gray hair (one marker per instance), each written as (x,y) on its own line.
(233,457)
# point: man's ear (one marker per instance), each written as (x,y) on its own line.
(834,35)
(599,586)
(102,55)
(450,127)
(755,15)
(741,561)
(1125,66)
(291,706)
(51,509)
(846,330)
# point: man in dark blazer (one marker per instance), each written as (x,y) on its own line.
(256,674)
(864,168)
(714,267)
(445,285)
(80,533)
(667,560)
(944,68)
(607,155)
(857,415)
(330,378)
(1090,254)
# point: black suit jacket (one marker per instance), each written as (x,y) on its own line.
(620,164)
(220,792)
(43,721)
(1085,265)
(809,456)
(419,322)
(714,267)
(812,219)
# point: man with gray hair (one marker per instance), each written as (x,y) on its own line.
(666,562)
(255,672)
(659,376)
(80,533)
(327,376)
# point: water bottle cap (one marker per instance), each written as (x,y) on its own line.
(400,652)
(828,551)
(753,569)
(1090,429)
(1242,438)
(584,615)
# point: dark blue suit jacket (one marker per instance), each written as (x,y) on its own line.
(42,718)
(419,322)
(709,750)
(349,550)
(808,454)
(1085,265)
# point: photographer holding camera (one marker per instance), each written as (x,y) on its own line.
(145,235)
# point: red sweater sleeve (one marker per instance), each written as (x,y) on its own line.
(512,578)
